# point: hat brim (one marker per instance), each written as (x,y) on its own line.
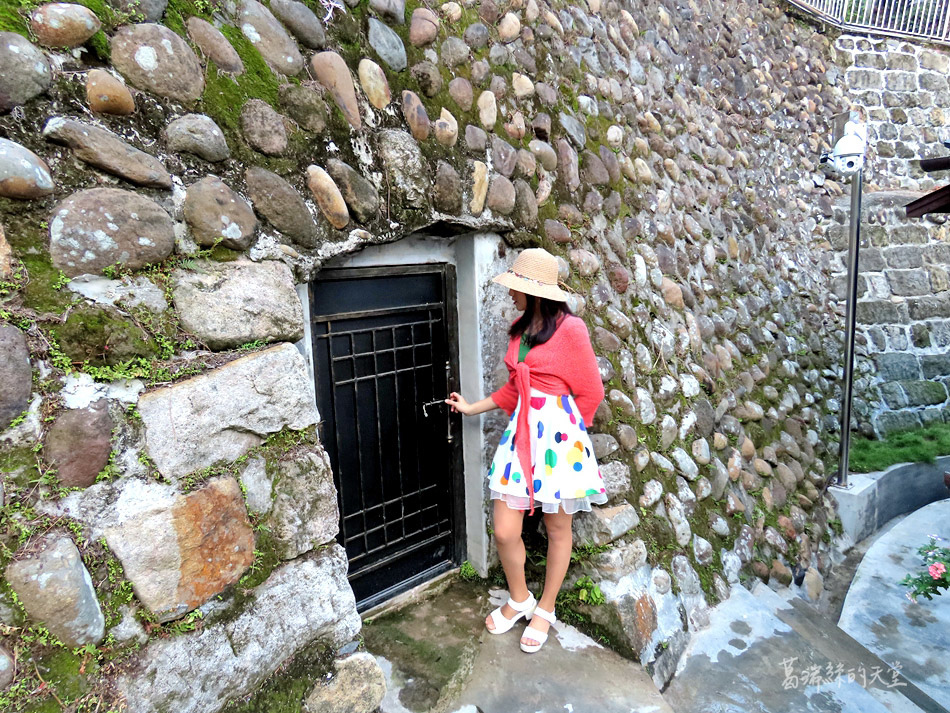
(530,287)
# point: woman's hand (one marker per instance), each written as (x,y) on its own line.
(458,404)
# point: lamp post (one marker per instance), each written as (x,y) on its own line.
(854,237)
(847,156)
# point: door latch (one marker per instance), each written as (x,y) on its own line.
(425,407)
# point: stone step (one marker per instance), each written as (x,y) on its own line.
(571,674)
(897,694)
(438,657)
(763,654)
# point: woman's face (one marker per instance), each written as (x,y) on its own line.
(519,299)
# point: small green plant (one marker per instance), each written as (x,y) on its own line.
(188,623)
(587,551)
(110,472)
(135,368)
(19,419)
(251,346)
(58,358)
(467,572)
(588,592)
(78,533)
(40,635)
(111,271)
(937,574)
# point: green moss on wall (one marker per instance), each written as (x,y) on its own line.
(21,470)
(347,36)
(107,14)
(13,17)
(99,337)
(70,674)
(99,44)
(285,691)
(178,11)
(42,289)
(224,95)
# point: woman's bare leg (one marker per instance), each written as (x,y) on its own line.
(507,524)
(560,540)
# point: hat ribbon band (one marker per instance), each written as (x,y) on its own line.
(531,279)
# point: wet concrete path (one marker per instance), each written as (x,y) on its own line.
(767,653)
(764,651)
(877,613)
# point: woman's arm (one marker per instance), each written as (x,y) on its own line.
(458,404)
(584,375)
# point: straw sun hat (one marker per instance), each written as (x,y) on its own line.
(534,272)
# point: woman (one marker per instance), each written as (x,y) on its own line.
(545,458)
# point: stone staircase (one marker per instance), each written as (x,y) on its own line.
(766,652)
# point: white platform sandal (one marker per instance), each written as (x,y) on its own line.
(522,609)
(535,635)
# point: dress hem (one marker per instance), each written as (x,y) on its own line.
(570,505)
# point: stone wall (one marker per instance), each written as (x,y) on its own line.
(171,171)
(904,91)
(902,291)
(903,314)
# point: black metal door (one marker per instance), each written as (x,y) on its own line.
(385,345)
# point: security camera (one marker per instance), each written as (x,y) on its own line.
(848,153)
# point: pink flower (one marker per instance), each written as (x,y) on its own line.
(936,570)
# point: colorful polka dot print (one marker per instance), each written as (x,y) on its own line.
(564,469)
(564,403)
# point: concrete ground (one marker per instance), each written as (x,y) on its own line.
(438,658)
(763,652)
(572,673)
(877,613)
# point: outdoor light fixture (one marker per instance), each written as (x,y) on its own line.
(847,157)
(848,153)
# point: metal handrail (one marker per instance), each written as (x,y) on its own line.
(916,19)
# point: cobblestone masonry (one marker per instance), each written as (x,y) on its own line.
(666,151)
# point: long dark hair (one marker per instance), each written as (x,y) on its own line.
(551,312)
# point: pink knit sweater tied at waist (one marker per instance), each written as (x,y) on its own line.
(565,364)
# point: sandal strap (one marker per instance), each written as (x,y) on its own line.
(545,614)
(534,635)
(522,606)
(500,620)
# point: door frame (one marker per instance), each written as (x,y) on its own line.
(477,257)
(449,296)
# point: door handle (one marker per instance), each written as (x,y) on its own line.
(425,406)
(448,416)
